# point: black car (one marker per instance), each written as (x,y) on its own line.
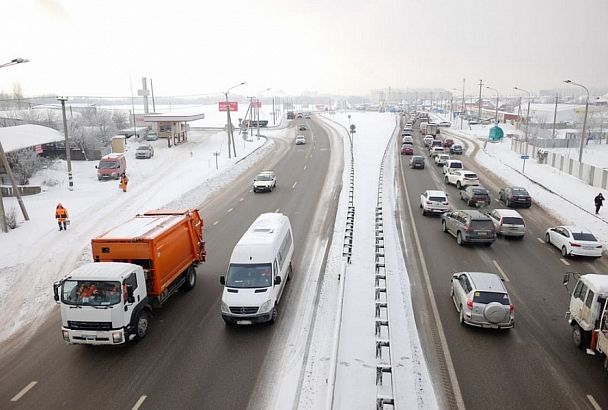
(417,161)
(514,196)
(475,196)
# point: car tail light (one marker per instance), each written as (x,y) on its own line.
(469,304)
(429,203)
(575,245)
(511,308)
(599,247)
(446,203)
(469,229)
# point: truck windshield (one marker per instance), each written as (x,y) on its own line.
(249,275)
(90,293)
(108,164)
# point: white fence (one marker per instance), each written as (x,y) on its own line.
(592,175)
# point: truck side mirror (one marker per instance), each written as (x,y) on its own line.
(223,280)
(130,297)
(277,280)
(56,286)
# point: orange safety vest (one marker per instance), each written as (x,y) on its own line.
(61,214)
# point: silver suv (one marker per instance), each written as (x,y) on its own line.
(482,300)
(469,227)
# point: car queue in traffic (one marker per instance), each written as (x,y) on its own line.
(481,298)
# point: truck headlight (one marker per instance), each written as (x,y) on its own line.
(266,306)
(66,335)
(117,337)
(225,308)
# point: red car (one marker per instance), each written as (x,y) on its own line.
(448,142)
(407,149)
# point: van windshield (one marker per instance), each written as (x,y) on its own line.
(249,275)
(108,164)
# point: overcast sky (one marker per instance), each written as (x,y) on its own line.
(87,47)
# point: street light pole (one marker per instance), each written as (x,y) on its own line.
(258,104)
(67,146)
(580,153)
(496,112)
(15,61)
(528,112)
(479,105)
(229,121)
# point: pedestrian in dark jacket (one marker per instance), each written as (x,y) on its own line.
(599,201)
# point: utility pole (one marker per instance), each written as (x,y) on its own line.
(13,183)
(274,113)
(464,109)
(144,92)
(67,145)
(555,115)
(479,104)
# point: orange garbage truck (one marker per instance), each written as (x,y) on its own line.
(137,266)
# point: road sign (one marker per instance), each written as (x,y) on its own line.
(352,128)
(234,105)
(525,157)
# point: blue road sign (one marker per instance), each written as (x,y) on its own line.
(525,157)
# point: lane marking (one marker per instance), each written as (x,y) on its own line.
(230,210)
(565,262)
(216,222)
(24,391)
(593,402)
(294,185)
(304,167)
(502,272)
(139,402)
(242,199)
(540,240)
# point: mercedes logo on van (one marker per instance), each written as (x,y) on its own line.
(243,310)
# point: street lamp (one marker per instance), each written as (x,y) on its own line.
(528,112)
(15,61)
(229,124)
(496,114)
(257,108)
(580,152)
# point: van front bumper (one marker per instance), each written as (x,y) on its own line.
(247,320)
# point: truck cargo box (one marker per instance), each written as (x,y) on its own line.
(165,243)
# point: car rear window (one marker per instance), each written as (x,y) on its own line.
(519,191)
(480,191)
(482,225)
(582,236)
(470,175)
(437,198)
(512,220)
(489,297)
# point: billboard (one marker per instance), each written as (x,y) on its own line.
(234,105)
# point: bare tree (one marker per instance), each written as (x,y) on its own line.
(18,93)
(24,163)
(120,119)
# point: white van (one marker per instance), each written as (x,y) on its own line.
(259,267)
(452,165)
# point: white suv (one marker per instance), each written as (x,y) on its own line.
(434,202)
(461,178)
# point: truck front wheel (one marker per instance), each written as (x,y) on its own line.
(142,325)
(579,337)
(190,279)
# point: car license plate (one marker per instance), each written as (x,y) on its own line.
(243,322)
(480,203)
(482,233)
(588,248)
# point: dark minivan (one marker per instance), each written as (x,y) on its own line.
(417,161)
(469,227)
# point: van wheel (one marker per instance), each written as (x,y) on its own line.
(461,316)
(275,314)
(190,279)
(578,336)
(142,326)
(547,238)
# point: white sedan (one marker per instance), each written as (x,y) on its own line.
(573,240)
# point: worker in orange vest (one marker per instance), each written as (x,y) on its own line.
(61,214)
(124,180)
